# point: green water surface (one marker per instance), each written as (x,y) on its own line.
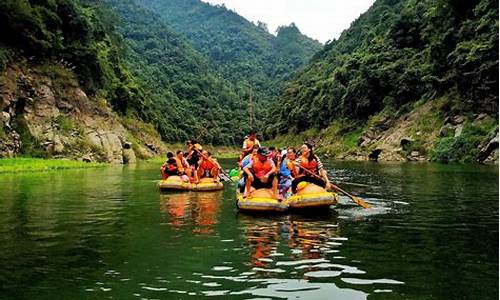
(432,233)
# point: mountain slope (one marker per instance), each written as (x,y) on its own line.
(395,57)
(186,98)
(242,52)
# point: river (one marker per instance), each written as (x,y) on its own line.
(432,233)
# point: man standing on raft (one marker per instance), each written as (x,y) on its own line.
(248,144)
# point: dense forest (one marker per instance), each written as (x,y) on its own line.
(194,70)
(395,54)
(144,69)
(253,59)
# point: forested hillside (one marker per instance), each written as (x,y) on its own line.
(396,57)
(124,54)
(186,99)
(247,55)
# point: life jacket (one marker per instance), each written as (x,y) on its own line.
(181,162)
(261,168)
(207,165)
(172,165)
(311,166)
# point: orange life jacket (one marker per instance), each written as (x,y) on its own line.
(207,165)
(311,166)
(182,163)
(261,168)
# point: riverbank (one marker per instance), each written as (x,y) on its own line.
(423,134)
(15,165)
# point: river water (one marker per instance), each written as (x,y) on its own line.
(432,233)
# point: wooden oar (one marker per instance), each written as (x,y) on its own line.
(226,177)
(355,199)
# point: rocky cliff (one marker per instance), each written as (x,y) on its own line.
(429,132)
(44,112)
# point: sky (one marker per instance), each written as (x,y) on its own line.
(322,20)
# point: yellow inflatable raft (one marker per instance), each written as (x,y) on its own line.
(175,183)
(261,200)
(311,196)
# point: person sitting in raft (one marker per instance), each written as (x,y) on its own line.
(286,170)
(309,168)
(248,144)
(208,166)
(183,166)
(169,168)
(244,163)
(260,173)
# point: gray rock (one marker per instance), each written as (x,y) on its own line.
(58,147)
(127,145)
(129,156)
(458,119)
(486,152)
(406,142)
(5,118)
(87,158)
(458,130)
(447,130)
(374,154)
(481,116)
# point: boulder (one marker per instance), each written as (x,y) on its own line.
(458,130)
(486,152)
(447,130)
(406,142)
(458,119)
(127,145)
(87,158)
(481,116)
(129,156)
(374,154)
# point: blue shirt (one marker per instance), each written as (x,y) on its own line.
(284,171)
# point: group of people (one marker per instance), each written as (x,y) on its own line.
(279,171)
(191,165)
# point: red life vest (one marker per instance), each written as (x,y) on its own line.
(261,168)
(207,165)
(311,166)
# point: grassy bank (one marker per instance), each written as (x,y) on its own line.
(13,165)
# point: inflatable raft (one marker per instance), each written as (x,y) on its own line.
(175,183)
(261,200)
(311,196)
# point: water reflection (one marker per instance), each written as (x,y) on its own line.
(191,209)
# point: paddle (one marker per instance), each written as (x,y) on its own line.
(224,176)
(355,199)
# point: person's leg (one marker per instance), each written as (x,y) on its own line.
(275,186)
(215,174)
(248,186)
(316,181)
(189,173)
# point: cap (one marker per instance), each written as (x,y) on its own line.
(263,151)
